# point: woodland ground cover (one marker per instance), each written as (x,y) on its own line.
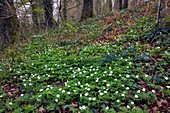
(117,63)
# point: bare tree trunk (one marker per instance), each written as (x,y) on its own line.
(87,9)
(110,5)
(125,4)
(97,7)
(37,14)
(120,4)
(48,14)
(158,13)
(9,25)
(64,10)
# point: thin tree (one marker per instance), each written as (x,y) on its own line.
(120,4)
(87,9)
(48,14)
(125,4)
(9,24)
(158,13)
(64,9)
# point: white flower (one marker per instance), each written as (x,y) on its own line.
(74,90)
(68,93)
(79,83)
(132,102)
(82,107)
(107,108)
(143,89)
(81,86)
(118,101)
(94,99)
(1,96)
(153,91)
(136,96)
(166,78)
(86,84)
(127,76)
(122,85)
(78,69)
(104,80)
(80,95)
(123,95)
(41,90)
(105,91)
(90,98)
(116,92)
(47,89)
(137,76)
(128,106)
(97,80)
(107,85)
(101,93)
(88,89)
(57,95)
(86,94)
(63,91)
(40,96)
(10,103)
(22,95)
(120,75)
(168,87)
(138,91)
(59,89)
(56,100)
(127,88)
(146,75)
(115,79)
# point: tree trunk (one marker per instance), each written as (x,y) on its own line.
(120,4)
(110,5)
(64,9)
(158,13)
(9,25)
(125,4)
(97,6)
(87,9)
(37,14)
(48,14)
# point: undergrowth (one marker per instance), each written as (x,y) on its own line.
(115,64)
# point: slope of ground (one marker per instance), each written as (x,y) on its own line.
(114,63)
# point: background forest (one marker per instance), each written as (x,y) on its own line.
(84,56)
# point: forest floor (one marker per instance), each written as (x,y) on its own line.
(119,62)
